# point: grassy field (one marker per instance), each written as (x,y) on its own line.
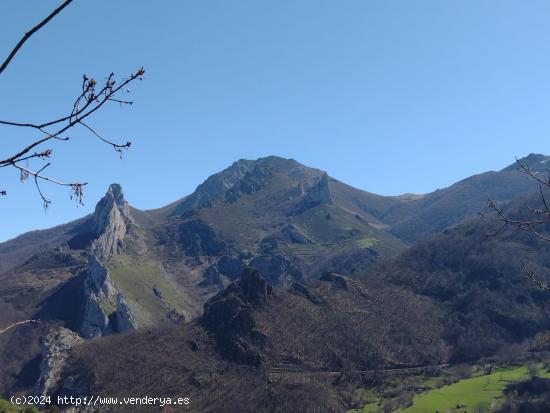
(366,242)
(369,408)
(477,392)
(138,279)
(7,407)
(483,391)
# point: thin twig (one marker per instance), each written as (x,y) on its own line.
(533,278)
(117,147)
(28,34)
(15,158)
(86,103)
(526,170)
(44,199)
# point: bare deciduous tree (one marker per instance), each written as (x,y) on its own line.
(536,222)
(90,99)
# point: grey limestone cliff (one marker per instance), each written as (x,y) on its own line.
(54,350)
(110,223)
(319,193)
(106,311)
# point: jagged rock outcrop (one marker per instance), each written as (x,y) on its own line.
(534,161)
(256,290)
(54,350)
(277,269)
(110,222)
(297,191)
(252,182)
(125,320)
(319,193)
(228,317)
(198,238)
(215,186)
(289,234)
(100,296)
(106,311)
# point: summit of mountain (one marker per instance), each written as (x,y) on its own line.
(121,268)
(280,184)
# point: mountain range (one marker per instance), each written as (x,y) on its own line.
(268,263)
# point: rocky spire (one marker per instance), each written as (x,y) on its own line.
(106,311)
(319,193)
(228,316)
(256,290)
(100,296)
(105,308)
(110,222)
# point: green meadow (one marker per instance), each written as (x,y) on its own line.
(477,393)
(7,407)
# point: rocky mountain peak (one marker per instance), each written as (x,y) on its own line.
(110,222)
(245,176)
(113,203)
(536,162)
(255,288)
(228,316)
(116,191)
(215,186)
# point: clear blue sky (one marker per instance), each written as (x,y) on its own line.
(388,96)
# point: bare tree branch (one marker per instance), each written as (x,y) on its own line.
(32,31)
(88,101)
(526,170)
(117,147)
(93,102)
(103,97)
(524,223)
(37,175)
(533,278)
